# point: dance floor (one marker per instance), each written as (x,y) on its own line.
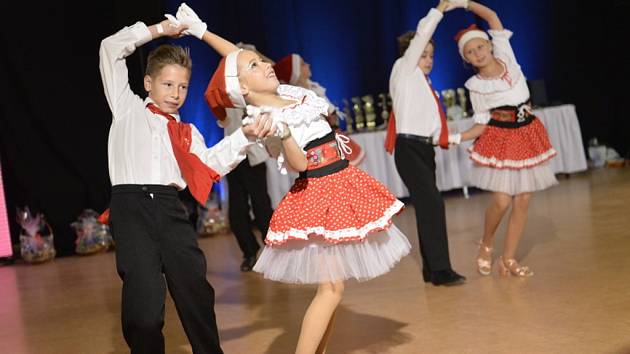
(577,241)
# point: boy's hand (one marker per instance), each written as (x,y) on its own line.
(261,128)
(173,29)
(188,17)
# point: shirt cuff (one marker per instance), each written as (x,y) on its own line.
(429,23)
(504,33)
(141,33)
(239,139)
(435,13)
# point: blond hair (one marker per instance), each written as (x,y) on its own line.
(404,40)
(168,54)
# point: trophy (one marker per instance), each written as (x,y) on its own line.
(370,112)
(382,102)
(448,96)
(346,112)
(453,112)
(359,119)
(461,97)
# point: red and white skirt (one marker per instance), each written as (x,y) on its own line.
(331,228)
(513,160)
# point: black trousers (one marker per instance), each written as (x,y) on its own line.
(415,163)
(247,183)
(156,247)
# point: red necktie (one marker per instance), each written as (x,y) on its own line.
(443,140)
(197,175)
(390,137)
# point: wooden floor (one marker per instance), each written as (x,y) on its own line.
(577,241)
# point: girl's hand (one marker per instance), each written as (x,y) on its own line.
(448,5)
(462,4)
(187,16)
(454,139)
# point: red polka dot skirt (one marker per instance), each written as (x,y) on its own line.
(343,206)
(513,148)
(333,228)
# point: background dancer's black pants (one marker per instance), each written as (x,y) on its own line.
(156,247)
(415,163)
(248,183)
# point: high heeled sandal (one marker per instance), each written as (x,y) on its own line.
(511,267)
(484,265)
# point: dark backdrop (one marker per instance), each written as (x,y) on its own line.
(54,119)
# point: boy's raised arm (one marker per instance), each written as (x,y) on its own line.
(112,64)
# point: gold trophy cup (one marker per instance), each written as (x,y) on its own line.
(382,102)
(359,119)
(346,111)
(370,112)
(461,98)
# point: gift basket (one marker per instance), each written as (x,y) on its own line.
(92,235)
(212,220)
(36,237)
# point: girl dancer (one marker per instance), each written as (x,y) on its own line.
(512,146)
(336,221)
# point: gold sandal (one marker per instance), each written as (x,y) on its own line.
(511,266)
(484,263)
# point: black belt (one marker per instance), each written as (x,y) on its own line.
(144,188)
(518,118)
(427,140)
(326,170)
(511,125)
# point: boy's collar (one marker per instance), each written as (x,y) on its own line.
(149,100)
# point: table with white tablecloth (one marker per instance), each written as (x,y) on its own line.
(452,165)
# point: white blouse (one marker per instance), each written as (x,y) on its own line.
(321,92)
(306,119)
(508,89)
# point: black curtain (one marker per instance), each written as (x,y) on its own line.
(590,67)
(54,119)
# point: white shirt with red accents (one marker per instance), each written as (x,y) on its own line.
(139,147)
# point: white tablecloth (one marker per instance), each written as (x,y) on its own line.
(453,165)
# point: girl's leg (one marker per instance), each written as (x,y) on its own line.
(499,204)
(516,225)
(318,317)
(324,343)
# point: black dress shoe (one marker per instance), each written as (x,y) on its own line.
(426,275)
(248,264)
(447,278)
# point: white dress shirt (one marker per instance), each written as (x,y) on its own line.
(139,147)
(414,104)
(507,89)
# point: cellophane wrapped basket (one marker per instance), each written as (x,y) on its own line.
(92,235)
(36,237)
